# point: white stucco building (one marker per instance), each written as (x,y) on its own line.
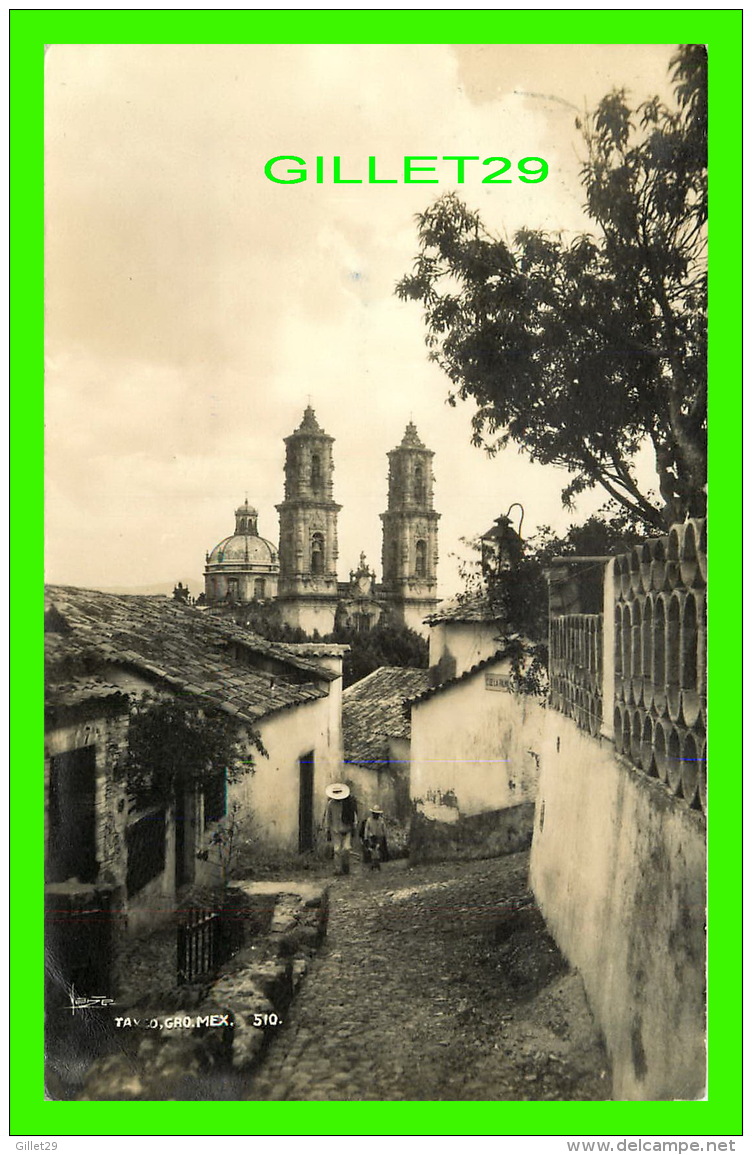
(104,652)
(473,764)
(462,633)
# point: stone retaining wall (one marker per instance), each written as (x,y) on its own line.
(162,1051)
(485,835)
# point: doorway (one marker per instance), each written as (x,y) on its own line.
(185,838)
(305,809)
(72,849)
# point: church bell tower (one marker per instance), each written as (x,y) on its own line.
(308,530)
(410,533)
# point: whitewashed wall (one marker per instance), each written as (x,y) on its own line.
(471,747)
(458,646)
(618,869)
(269,797)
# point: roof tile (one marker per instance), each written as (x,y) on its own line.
(372,711)
(178,644)
(465,609)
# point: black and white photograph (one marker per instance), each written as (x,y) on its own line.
(376,572)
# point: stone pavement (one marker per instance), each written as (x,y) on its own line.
(430,987)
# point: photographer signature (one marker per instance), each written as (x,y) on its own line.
(83,1002)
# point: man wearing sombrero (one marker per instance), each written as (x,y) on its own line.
(340,820)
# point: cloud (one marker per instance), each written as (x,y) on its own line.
(193,305)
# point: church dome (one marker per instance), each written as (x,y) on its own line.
(244,567)
(243,548)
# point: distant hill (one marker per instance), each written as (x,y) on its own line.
(165,588)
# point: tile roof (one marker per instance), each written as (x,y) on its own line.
(462,609)
(79,690)
(372,711)
(318,649)
(174,644)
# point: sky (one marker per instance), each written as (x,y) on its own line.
(193,306)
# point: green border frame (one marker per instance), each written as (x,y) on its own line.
(720,1114)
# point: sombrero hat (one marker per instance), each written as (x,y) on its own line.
(376,810)
(337,790)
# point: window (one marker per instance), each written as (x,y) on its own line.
(215,798)
(317,553)
(315,471)
(259,588)
(393,559)
(420,485)
(420,558)
(145,841)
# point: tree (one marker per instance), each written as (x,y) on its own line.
(384,645)
(265,619)
(175,745)
(581,350)
(518,593)
(223,841)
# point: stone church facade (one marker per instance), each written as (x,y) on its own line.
(301,577)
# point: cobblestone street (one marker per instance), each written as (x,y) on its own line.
(436,982)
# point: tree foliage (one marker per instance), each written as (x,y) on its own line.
(175,745)
(265,619)
(519,594)
(381,646)
(384,645)
(582,350)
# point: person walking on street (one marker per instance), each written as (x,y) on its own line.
(340,821)
(374,838)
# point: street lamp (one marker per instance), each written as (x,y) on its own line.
(501,546)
